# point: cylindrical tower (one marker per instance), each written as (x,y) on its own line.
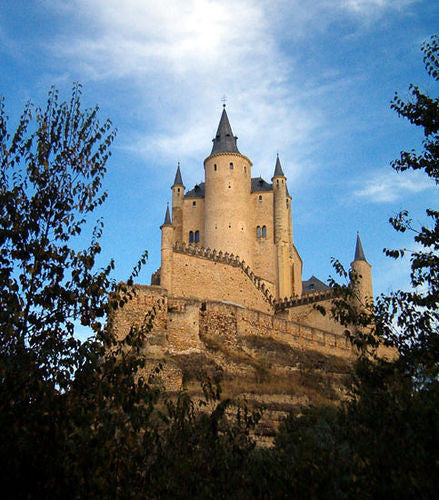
(361,282)
(167,253)
(177,206)
(282,237)
(227,195)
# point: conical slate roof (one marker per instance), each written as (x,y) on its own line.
(224,141)
(278,172)
(167,221)
(178,181)
(359,253)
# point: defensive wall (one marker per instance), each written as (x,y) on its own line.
(180,323)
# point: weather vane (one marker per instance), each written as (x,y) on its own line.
(224,99)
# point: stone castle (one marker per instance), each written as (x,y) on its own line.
(231,277)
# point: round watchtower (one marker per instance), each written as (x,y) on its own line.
(361,281)
(227,195)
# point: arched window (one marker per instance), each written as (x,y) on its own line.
(214,167)
(178,189)
(231,166)
(191,236)
(197,236)
(245,170)
(260,197)
(258,232)
(264,231)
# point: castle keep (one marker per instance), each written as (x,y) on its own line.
(229,291)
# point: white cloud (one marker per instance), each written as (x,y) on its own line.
(391,186)
(184,56)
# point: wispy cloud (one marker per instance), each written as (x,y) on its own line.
(183,56)
(189,54)
(391,186)
(375,6)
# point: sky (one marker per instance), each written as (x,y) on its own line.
(311,80)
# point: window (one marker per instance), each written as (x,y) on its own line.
(245,170)
(178,189)
(231,166)
(264,231)
(197,236)
(191,236)
(287,202)
(277,182)
(214,167)
(260,197)
(258,232)
(194,203)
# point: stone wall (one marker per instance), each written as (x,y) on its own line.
(193,218)
(231,321)
(147,304)
(180,322)
(213,279)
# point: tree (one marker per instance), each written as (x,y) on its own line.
(415,312)
(79,418)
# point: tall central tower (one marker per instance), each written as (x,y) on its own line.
(227,195)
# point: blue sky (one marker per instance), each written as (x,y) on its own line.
(311,80)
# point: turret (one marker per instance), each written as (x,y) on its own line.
(362,279)
(227,195)
(282,234)
(177,206)
(281,224)
(167,252)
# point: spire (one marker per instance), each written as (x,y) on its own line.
(278,172)
(178,181)
(359,253)
(167,221)
(224,141)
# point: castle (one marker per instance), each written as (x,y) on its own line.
(237,219)
(230,279)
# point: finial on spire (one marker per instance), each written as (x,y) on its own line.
(359,253)
(224,99)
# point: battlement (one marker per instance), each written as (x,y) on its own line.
(307,298)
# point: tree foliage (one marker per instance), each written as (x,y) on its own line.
(78,418)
